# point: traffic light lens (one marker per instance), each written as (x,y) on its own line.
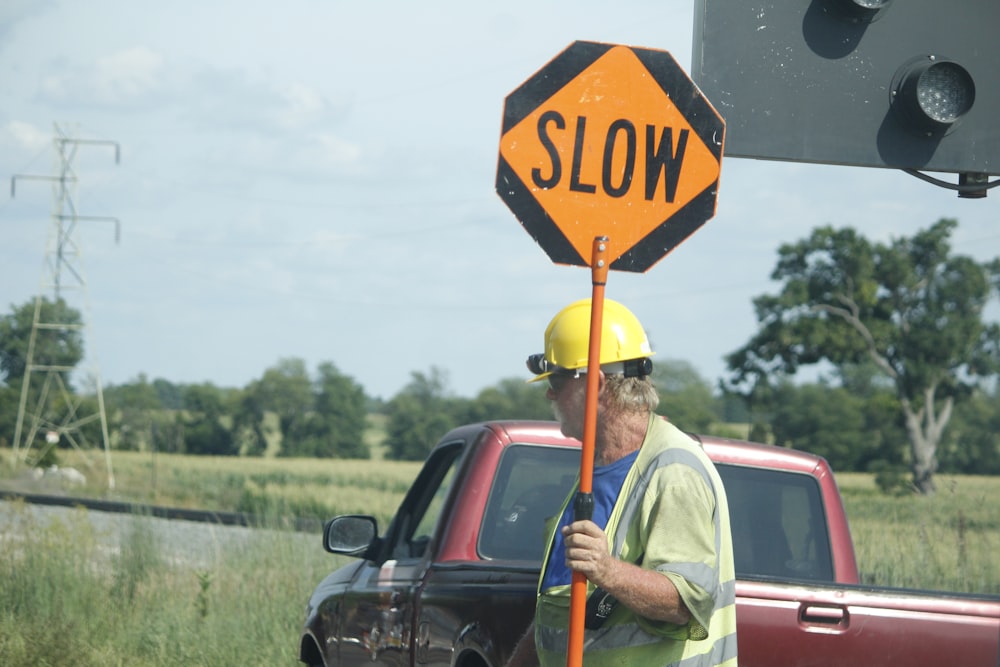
(932,93)
(945,92)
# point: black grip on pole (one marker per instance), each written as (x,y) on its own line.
(583,506)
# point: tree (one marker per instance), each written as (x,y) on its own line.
(685,397)
(851,430)
(144,416)
(8,414)
(62,346)
(909,307)
(285,391)
(511,398)
(336,426)
(132,410)
(171,396)
(55,346)
(419,415)
(973,444)
(204,432)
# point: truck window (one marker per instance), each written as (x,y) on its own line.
(530,485)
(421,509)
(779,524)
(430,518)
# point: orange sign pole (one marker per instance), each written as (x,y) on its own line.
(583,504)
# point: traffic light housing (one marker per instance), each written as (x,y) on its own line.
(907,84)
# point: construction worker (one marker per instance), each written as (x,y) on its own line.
(658,552)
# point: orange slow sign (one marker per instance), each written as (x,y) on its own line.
(612,141)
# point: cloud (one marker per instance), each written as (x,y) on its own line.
(302,107)
(231,98)
(26,136)
(131,78)
(336,151)
(13,12)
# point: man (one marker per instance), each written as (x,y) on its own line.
(658,552)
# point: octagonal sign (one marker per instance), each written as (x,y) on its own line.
(609,140)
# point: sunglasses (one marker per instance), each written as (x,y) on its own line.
(559,379)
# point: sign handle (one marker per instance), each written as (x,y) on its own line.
(583,503)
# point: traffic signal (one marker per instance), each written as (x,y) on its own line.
(907,84)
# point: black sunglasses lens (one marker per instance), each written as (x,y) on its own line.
(559,380)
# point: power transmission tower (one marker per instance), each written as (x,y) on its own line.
(55,412)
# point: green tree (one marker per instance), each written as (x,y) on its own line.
(147,416)
(171,396)
(849,429)
(419,415)
(335,428)
(132,409)
(511,398)
(685,396)
(972,445)
(54,346)
(909,307)
(205,407)
(283,390)
(9,397)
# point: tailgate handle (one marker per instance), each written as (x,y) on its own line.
(823,614)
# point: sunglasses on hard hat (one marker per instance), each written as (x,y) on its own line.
(557,375)
(560,378)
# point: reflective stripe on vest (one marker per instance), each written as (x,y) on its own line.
(701,575)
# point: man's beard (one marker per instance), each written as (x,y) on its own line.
(570,430)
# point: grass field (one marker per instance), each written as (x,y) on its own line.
(948,541)
(246,608)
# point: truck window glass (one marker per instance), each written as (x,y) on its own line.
(425,528)
(779,524)
(418,515)
(530,485)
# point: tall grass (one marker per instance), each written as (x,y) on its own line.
(66,598)
(947,541)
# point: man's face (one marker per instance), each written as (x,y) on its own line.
(568,395)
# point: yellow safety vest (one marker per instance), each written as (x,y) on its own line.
(672,511)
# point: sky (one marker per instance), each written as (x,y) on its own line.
(316,180)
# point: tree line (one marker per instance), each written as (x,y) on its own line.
(899,326)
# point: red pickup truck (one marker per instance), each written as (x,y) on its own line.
(452,580)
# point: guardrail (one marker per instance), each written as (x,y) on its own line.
(300,524)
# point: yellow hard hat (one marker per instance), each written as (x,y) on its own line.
(624,345)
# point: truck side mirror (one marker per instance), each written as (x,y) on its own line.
(350,534)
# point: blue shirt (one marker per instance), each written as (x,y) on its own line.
(607,484)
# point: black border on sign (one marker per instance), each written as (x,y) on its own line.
(535,220)
(669,234)
(531,94)
(544,83)
(696,109)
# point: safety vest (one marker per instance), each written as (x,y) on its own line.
(672,513)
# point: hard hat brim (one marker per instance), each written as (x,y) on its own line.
(539,378)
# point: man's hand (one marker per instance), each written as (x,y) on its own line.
(647,593)
(587,551)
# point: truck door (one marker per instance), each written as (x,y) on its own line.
(379,606)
